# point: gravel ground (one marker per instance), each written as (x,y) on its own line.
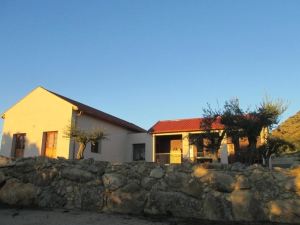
(61,217)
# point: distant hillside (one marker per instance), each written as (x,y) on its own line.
(290,130)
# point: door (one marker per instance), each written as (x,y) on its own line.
(175,151)
(19,145)
(50,144)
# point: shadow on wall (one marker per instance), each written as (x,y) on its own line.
(10,147)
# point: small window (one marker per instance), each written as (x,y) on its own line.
(138,152)
(96,147)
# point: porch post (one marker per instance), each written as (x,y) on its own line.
(153,148)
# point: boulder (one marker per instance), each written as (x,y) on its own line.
(242,183)
(4,161)
(285,211)
(245,207)
(16,193)
(2,178)
(237,166)
(173,203)
(219,181)
(113,181)
(76,174)
(216,207)
(92,198)
(147,183)
(125,202)
(157,173)
(176,180)
(293,184)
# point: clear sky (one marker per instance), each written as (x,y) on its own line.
(149,60)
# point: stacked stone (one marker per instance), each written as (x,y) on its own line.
(205,191)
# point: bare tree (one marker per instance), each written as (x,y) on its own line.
(83,137)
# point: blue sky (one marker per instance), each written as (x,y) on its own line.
(145,61)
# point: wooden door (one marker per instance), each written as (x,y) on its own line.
(19,145)
(50,144)
(175,151)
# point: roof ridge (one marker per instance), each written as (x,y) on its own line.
(91,111)
(195,118)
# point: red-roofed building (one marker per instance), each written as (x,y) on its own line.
(171,140)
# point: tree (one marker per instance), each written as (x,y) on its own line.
(238,122)
(275,146)
(83,137)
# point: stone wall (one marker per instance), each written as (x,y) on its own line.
(208,191)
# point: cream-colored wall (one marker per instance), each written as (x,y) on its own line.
(38,112)
(140,138)
(114,148)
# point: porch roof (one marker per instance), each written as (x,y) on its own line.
(182,125)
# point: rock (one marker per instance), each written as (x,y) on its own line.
(242,183)
(113,181)
(125,202)
(16,193)
(199,171)
(147,183)
(2,178)
(245,207)
(193,188)
(219,181)
(293,184)
(285,211)
(266,187)
(176,180)
(157,173)
(92,198)
(216,207)
(237,166)
(76,174)
(48,198)
(4,161)
(173,203)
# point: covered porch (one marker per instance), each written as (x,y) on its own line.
(168,149)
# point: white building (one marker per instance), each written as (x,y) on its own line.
(37,123)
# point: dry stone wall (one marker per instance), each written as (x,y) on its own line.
(205,191)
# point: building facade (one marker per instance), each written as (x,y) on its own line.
(36,126)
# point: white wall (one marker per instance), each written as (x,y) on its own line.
(114,148)
(139,138)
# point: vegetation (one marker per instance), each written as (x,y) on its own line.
(289,130)
(275,146)
(239,122)
(83,137)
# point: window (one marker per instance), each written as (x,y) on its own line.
(96,147)
(138,152)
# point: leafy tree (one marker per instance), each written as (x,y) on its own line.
(275,146)
(238,122)
(83,137)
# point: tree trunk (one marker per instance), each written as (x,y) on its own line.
(81,151)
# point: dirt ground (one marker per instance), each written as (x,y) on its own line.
(61,217)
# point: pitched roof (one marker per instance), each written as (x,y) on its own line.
(90,111)
(182,125)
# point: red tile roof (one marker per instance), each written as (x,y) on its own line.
(101,115)
(182,125)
